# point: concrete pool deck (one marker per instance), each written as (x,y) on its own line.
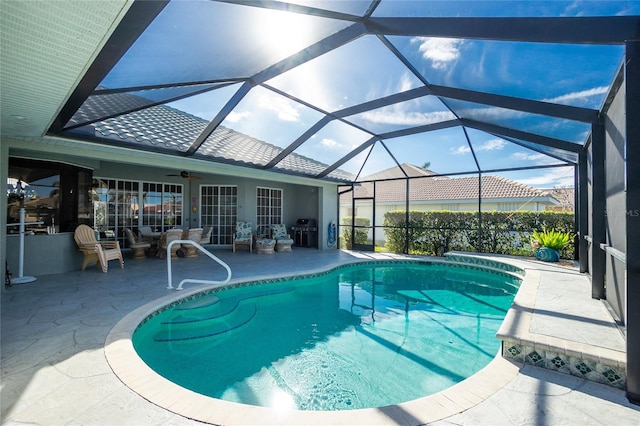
(54,368)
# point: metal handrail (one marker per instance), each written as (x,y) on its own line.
(190,280)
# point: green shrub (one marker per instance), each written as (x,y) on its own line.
(436,232)
(360,235)
(556,240)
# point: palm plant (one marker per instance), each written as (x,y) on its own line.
(556,240)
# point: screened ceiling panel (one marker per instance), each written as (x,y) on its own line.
(403,115)
(267,115)
(352,7)
(445,150)
(577,75)
(332,142)
(187,36)
(353,72)
(107,103)
(495,153)
(566,156)
(566,130)
(335,89)
(521,8)
(205,105)
(378,159)
(550,177)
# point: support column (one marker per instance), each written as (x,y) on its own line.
(598,210)
(582,211)
(632,99)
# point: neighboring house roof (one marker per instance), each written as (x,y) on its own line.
(449,189)
(396,172)
(565,197)
(168,128)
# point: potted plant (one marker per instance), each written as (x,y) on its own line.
(548,243)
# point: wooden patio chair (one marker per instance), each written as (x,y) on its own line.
(85,238)
(166,238)
(194,234)
(206,235)
(137,247)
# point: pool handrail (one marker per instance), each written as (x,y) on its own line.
(191,280)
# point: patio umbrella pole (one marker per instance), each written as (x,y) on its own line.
(22,279)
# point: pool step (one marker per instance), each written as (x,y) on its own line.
(239,317)
(212,316)
(219,308)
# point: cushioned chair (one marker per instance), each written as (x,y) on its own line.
(283,240)
(243,236)
(145,234)
(137,247)
(85,238)
(194,234)
(206,235)
(165,240)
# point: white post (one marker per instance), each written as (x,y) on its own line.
(22,279)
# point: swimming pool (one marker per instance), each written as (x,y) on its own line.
(355,337)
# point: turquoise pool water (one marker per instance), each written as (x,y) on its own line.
(360,336)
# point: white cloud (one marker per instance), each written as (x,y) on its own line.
(283,108)
(579,95)
(329,143)
(562,176)
(400,117)
(235,117)
(490,145)
(536,158)
(462,149)
(523,156)
(440,51)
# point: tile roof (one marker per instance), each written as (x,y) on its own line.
(447,189)
(165,127)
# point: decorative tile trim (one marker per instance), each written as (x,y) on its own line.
(557,359)
(483,261)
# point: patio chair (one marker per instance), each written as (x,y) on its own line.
(85,238)
(283,240)
(105,255)
(137,247)
(206,235)
(166,238)
(145,234)
(243,236)
(194,234)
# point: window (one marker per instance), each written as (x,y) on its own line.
(53,194)
(508,207)
(451,207)
(119,204)
(269,207)
(219,209)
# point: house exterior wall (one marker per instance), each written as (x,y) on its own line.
(302,197)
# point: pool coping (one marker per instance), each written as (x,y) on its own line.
(596,363)
(140,378)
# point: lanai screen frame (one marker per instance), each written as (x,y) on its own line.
(618,30)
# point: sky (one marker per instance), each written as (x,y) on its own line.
(174,49)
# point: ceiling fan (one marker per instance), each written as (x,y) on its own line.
(186,175)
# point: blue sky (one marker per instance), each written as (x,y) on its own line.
(365,70)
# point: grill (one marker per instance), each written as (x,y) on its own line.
(305,233)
